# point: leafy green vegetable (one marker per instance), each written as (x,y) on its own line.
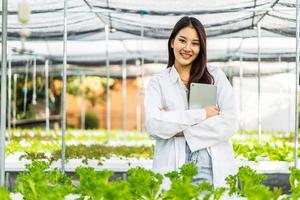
(36,183)
(295,182)
(181,186)
(4,194)
(144,184)
(247,183)
(207,191)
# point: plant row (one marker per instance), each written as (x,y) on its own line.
(280,151)
(52,151)
(102,135)
(96,151)
(99,135)
(40,183)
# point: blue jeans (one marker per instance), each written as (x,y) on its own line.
(202,159)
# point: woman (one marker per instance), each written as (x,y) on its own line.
(202,135)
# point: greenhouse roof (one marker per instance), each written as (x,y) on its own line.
(87,18)
(230,25)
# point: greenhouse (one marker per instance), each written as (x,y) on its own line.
(80,118)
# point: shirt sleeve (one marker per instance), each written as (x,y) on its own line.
(217,128)
(165,124)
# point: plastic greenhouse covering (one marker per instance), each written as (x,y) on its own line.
(87,18)
(228,25)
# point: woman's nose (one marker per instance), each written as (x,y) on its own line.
(187,47)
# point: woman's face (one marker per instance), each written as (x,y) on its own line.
(186,47)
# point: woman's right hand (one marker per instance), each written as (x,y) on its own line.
(212,111)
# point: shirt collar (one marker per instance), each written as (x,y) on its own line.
(174,74)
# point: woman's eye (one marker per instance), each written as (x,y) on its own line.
(182,41)
(196,44)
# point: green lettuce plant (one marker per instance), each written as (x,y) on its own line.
(295,182)
(181,183)
(96,185)
(4,194)
(144,184)
(37,183)
(247,183)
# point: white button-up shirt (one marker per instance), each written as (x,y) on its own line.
(166,110)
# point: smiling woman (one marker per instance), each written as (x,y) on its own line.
(186,48)
(201,136)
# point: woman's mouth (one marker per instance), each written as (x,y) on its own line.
(186,56)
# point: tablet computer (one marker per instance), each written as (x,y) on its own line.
(202,95)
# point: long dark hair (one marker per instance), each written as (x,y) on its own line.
(198,72)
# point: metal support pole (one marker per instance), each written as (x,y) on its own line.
(141,84)
(64,98)
(82,106)
(34,81)
(3,91)
(124,76)
(142,73)
(15,100)
(138,108)
(108,122)
(296,87)
(258,83)
(237,10)
(241,125)
(47,96)
(9,98)
(25,86)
